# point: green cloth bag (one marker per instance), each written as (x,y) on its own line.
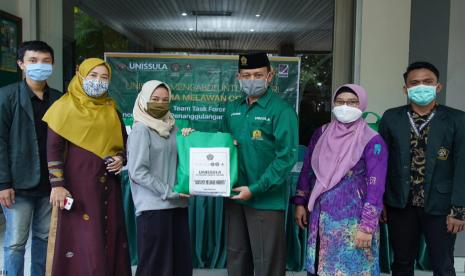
(129,216)
(203,140)
(373,124)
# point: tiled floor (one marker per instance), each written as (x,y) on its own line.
(460,263)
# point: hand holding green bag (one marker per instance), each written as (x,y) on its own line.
(207,164)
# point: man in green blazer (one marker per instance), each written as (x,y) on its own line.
(266,131)
(24,184)
(425,187)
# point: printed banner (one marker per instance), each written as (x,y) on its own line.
(201,84)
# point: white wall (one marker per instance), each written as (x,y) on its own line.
(455,95)
(9,6)
(26,10)
(49,29)
(382,51)
(343,42)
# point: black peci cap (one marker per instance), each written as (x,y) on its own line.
(253,61)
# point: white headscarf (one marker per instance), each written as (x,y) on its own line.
(164,125)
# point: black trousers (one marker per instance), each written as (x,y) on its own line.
(405,226)
(256,241)
(163,243)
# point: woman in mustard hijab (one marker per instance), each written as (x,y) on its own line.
(85,150)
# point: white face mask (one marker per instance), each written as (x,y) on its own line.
(347,114)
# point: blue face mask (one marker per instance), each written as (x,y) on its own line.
(422,94)
(38,71)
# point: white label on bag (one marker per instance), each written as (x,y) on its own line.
(209,172)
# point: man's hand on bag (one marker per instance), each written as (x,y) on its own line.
(244,193)
(301,216)
(455,225)
(7,198)
(57,197)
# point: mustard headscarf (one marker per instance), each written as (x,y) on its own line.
(90,123)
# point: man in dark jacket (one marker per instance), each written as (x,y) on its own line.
(24,183)
(425,188)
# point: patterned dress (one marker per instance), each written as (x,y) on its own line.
(354,203)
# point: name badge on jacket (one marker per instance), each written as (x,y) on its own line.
(443,153)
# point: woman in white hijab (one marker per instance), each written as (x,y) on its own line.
(162,224)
